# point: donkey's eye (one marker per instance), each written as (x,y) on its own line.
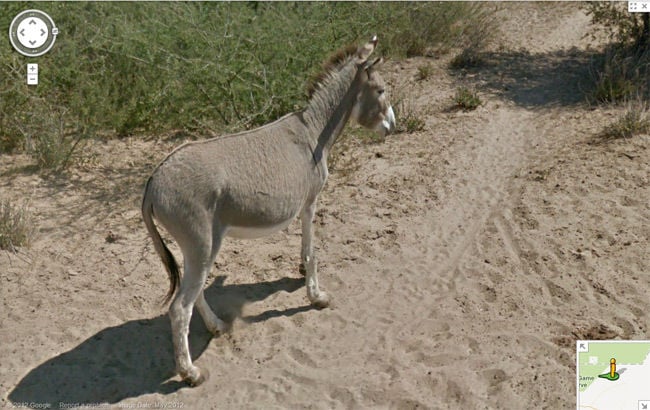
(380,91)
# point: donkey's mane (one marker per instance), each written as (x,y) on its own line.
(329,66)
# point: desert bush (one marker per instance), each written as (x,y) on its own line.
(17,227)
(49,137)
(424,28)
(466,99)
(612,76)
(623,69)
(618,74)
(467,58)
(478,36)
(131,68)
(634,121)
(424,72)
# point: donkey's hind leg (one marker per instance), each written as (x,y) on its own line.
(212,321)
(197,264)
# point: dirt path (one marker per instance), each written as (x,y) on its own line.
(463,260)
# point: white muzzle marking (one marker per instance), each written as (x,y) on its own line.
(389,122)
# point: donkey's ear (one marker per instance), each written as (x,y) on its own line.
(364,52)
(369,66)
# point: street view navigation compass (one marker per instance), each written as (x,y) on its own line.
(32,33)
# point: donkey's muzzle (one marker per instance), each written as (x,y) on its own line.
(388,123)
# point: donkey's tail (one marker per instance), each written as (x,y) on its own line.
(165,254)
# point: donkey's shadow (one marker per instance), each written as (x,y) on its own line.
(136,358)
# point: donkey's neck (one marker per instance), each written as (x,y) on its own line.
(329,109)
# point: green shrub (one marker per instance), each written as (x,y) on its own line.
(614,75)
(129,68)
(49,139)
(424,72)
(614,19)
(467,99)
(624,68)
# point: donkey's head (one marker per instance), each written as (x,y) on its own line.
(372,109)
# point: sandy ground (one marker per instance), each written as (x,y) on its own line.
(463,260)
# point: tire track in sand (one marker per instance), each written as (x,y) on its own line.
(478,185)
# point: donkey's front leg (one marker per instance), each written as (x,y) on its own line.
(317,297)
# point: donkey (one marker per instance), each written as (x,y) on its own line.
(254,183)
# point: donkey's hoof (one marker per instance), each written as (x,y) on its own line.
(321,301)
(219,328)
(196,377)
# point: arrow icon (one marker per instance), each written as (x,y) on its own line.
(22,32)
(32,21)
(43,32)
(32,42)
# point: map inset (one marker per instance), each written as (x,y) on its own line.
(613,374)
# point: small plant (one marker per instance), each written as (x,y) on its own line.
(413,123)
(409,120)
(424,72)
(17,227)
(611,88)
(467,99)
(633,122)
(468,58)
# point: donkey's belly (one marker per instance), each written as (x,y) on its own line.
(249,232)
(258,214)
